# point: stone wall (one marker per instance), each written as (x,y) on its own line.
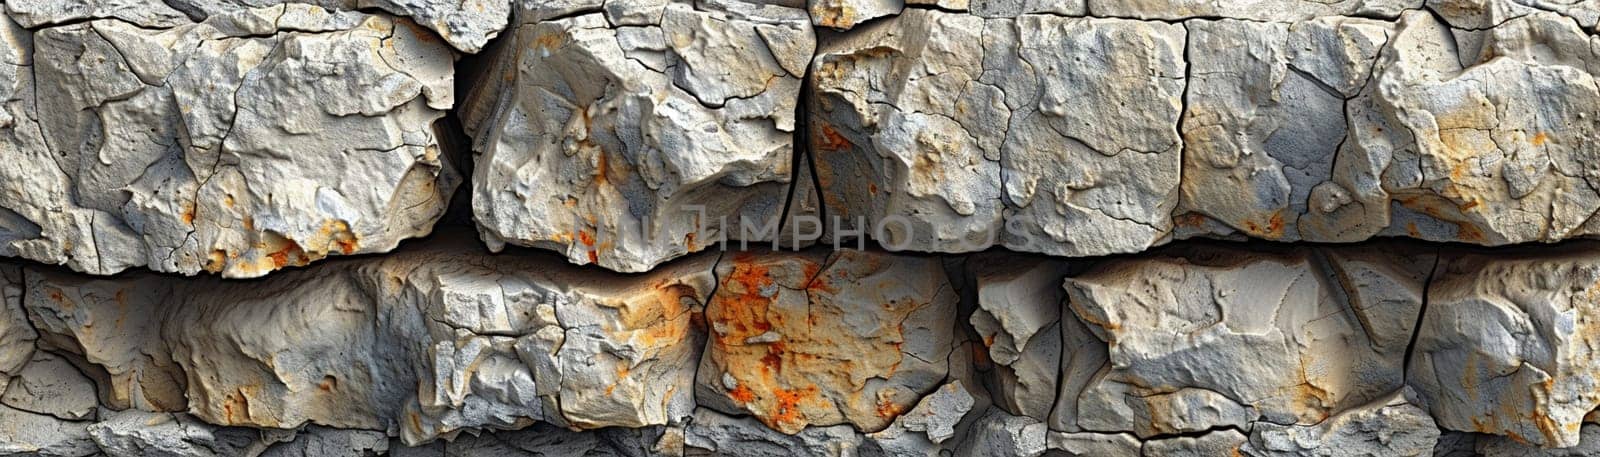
(834,228)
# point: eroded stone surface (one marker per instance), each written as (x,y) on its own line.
(1389,426)
(1449,144)
(224,146)
(49,384)
(938,130)
(1206,339)
(467,25)
(808,338)
(1019,321)
(626,146)
(1506,346)
(406,343)
(1263,10)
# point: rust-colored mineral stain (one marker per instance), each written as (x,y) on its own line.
(787,411)
(830,140)
(1540,138)
(347,246)
(328,383)
(773,361)
(742,394)
(188,215)
(280,257)
(548,42)
(1411,229)
(888,410)
(743,310)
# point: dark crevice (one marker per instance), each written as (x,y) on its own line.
(1422,315)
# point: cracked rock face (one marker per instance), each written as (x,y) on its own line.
(999,132)
(466,25)
(805,339)
(1082,227)
(443,349)
(1208,339)
(1506,345)
(224,146)
(489,344)
(631,144)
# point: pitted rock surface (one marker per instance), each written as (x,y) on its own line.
(826,227)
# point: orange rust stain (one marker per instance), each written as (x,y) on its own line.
(188,214)
(1275,224)
(830,140)
(328,383)
(872,188)
(888,410)
(788,407)
(1469,205)
(347,246)
(742,394)
(744,310)
(1411,229)
(1540,138)
(586,238)
(280,258)
(774,359)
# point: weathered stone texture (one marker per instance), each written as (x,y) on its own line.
(406,343)
(939,129)
(467,24)
(1506,346)
(808,339)
(629,145)
(1018,165)
(252,141)
(1207,339)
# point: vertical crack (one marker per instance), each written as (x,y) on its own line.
(1422,314)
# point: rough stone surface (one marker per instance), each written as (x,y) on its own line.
(995,179)
(48,384)
(408,344)
(1389,426)
(1019,321)
(1507,345)
(808,339)
(1202,339)
(224,146)
(938,130)
(626,146)
(467,24)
